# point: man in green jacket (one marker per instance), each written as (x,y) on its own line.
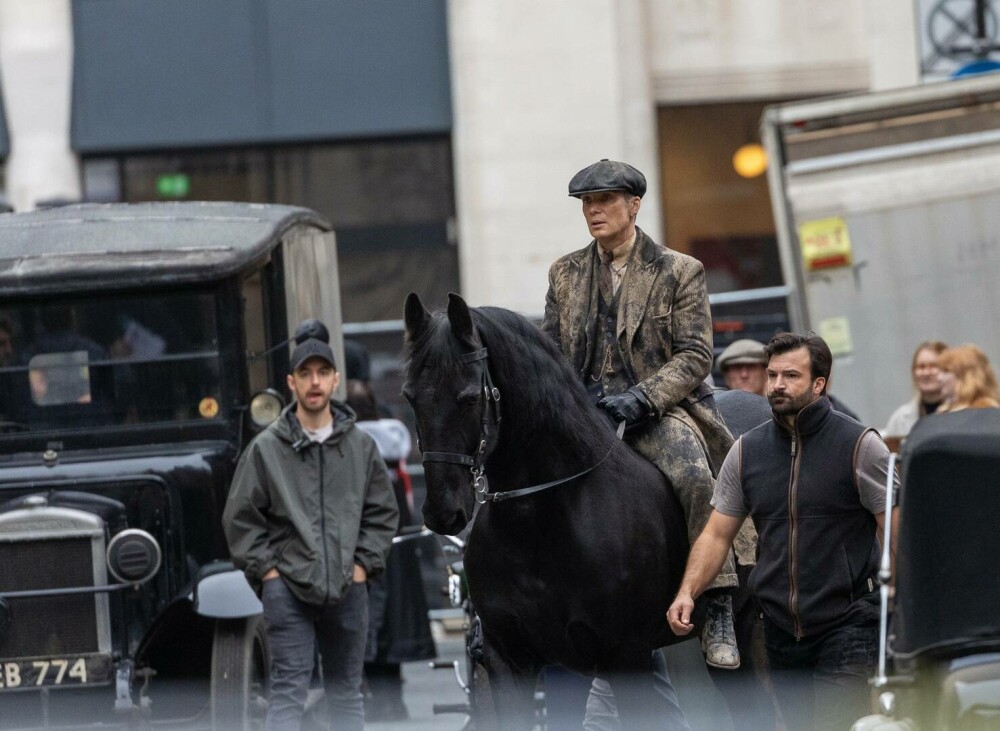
(310,516)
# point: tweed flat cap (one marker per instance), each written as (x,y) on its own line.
(742,351)
(608,175)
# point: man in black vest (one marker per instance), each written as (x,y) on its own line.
(813,480)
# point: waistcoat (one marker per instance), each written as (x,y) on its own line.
(817,547)
(608,373)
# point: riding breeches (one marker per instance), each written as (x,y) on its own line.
(676,448)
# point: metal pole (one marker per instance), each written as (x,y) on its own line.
(885,575)
(982,46)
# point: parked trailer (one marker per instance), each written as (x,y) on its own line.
(887,208)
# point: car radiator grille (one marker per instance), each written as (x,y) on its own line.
(55,625)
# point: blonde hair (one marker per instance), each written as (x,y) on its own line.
(976,385)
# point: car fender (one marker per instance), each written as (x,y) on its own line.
(221,591)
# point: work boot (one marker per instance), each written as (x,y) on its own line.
(718,638)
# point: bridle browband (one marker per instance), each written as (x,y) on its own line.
(477,462)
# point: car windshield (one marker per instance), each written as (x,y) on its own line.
(108,360)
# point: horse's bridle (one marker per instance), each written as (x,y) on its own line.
(477,462)
(490,417)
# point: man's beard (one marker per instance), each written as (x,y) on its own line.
(789,405)
(323,405)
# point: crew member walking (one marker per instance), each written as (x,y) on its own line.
(813,479)
(310,516)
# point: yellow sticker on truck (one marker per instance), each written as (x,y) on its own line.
(826,243)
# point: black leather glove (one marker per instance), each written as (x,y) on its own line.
(630,407)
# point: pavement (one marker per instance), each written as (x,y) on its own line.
(423,687)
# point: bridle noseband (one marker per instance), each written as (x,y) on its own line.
(490,416)
(477,462)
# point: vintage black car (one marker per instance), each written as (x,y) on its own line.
(940,662)
(139,350)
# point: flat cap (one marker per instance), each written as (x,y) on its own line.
(312,348)
(608,175)
(742,351)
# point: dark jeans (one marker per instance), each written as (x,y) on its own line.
(821,681)
(294,630)
(572,700)
(746,697)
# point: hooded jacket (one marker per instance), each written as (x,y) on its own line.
(311,510)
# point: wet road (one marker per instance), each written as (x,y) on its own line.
(424,687)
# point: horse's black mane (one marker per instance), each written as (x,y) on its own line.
(540,393)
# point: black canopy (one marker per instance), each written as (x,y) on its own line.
(947,592)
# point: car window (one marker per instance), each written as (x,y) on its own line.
(109,360)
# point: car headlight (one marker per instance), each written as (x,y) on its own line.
(265,407)
(133,556)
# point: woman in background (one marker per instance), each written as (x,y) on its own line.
(967,380)
(924,371)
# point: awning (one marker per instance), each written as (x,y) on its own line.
(186,73)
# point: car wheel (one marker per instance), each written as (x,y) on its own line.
(240,662)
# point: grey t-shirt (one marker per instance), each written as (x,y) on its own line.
(319,435)
(870,473)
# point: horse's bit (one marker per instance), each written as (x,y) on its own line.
(477,462)
(490,416)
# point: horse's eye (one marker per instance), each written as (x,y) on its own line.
(408,394)
(468,396)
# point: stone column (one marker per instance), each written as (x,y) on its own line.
(892,43)
(540,90)
(36,65)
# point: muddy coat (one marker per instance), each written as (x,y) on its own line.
(665,333)
(667,328)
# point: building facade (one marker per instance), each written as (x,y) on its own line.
(438,136)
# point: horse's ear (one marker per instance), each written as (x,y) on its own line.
(461,319)
(415,315)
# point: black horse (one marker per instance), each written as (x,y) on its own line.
(579,574)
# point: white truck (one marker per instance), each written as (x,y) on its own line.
(887,208)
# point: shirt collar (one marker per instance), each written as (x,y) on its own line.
(621,253)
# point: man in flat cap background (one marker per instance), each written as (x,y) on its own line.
(310,517)
(632,318)
(744,366)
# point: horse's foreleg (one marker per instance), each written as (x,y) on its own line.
(512,688)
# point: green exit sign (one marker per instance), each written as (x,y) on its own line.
(174,185)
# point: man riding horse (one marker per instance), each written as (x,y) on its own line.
(632,318)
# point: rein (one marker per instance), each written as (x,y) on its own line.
(491,416)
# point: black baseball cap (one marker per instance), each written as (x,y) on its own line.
(312,348)
(608,175)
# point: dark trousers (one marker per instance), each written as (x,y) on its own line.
(746,698)
(821,681)
(568,695)
(294,630)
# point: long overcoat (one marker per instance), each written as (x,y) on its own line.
(666,324)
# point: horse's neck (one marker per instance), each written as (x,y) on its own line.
(532,451)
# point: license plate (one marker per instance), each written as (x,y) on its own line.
(55,672)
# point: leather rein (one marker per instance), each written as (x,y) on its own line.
(491,418)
